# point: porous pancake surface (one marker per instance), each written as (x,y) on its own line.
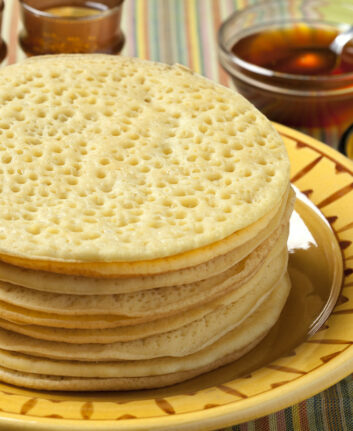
(108,159)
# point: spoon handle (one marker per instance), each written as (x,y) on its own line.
(340,41)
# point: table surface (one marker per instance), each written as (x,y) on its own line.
(185,32)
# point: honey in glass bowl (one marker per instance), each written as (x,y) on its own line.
(277,56)
(298,50)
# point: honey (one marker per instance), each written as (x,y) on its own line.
(287,70)
(298,50)
(71,26)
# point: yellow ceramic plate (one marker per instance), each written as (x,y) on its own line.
(285,369)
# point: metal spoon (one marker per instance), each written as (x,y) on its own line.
(317,60)
(326,58)
(340,42)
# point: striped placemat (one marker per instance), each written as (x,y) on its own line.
(331,410)
(185,32)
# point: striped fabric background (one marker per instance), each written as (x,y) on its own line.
(185,31)
(171,31)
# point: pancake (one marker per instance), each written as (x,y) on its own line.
(191,337)
(105,189)
(50,282)
(144,215)
(58,383)
(254,328)
(157,301)
(21,315)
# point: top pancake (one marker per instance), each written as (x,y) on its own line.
(112,159)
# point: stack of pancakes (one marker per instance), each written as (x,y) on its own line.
(144,217)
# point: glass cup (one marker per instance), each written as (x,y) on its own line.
(3,47)
(71,26)
(302,101)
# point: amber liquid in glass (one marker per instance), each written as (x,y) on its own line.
(72,26)
(322,99)
(298,50)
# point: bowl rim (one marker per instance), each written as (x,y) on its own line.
(43,14)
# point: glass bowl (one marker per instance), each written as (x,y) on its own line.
(323,101)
